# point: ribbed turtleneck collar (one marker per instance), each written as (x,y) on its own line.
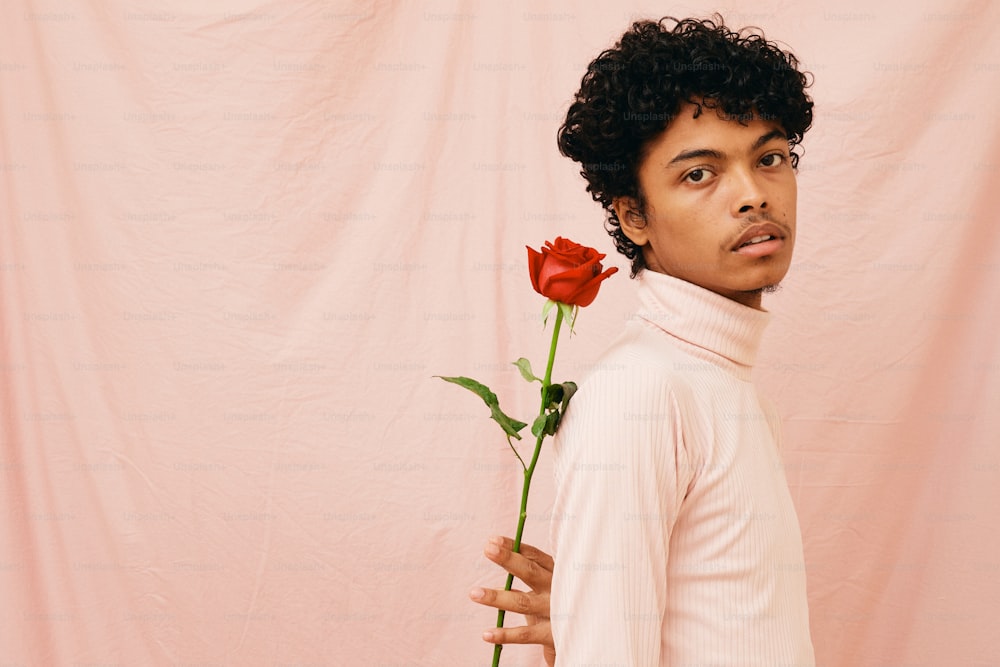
(727,331)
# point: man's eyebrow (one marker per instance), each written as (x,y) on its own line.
(696,153)
(770,136)
(718,155)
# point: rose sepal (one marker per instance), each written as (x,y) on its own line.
(569,314)
(549,305)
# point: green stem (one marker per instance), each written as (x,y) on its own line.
(514,449)
(530,470)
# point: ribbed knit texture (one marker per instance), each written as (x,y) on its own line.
(676,541)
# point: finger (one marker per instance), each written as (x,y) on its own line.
(540,633)
(528,571)
(533,554)
(529,604)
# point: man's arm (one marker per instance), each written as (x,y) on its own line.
(622,472)
(533,567)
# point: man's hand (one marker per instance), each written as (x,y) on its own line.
(534,568)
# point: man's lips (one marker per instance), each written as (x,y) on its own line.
(763,229)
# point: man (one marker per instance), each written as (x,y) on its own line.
(678,543)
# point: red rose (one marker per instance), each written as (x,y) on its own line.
(567,272)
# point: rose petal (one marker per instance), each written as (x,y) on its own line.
(567,272)
(535,262)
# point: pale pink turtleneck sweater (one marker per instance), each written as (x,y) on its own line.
(676,541)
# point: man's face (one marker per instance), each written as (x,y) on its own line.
(711,185)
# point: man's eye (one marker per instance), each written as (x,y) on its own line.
(696,176)
(772,160)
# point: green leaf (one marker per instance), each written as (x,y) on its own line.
(538,425)
(552,422)
(554,396)
(546,424)
(510,426)
(569,388)
(524,366)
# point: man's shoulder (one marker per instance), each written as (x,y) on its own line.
(637,361)
(633,398)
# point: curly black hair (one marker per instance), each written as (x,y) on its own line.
(632,91)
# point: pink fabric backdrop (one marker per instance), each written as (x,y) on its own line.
(239,238)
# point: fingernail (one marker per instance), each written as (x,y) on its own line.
(488,636)
(477,594)
(493,549)
(497,540)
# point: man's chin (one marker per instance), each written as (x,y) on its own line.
(766,289)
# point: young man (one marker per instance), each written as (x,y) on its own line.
(677,542)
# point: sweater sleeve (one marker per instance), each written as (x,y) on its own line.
(621,474)
(773,420)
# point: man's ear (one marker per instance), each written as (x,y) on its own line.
(633,222)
